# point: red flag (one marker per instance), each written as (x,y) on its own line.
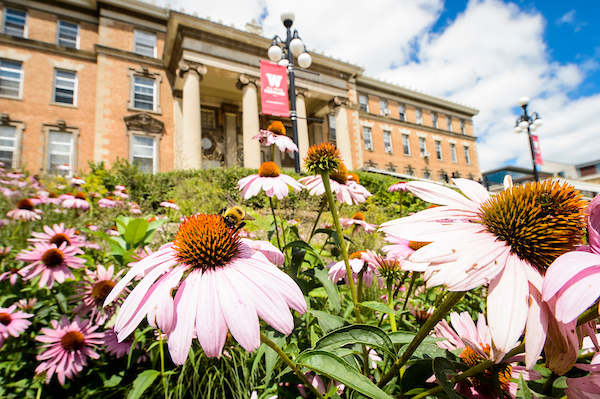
(274,89)
(536,150)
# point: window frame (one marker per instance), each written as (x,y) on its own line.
(426,174)
(136,35)
(467,154)
(406,146)
(402,112)
(55,87)
(155,142)
(449,123)
(47,130)
(419,116)
(384,111)
(19,127)
(423,147)
(453,155)
(438,150)
(332,127)
(363,106)
(463,127)
(388,133)
(132,73)
(58,26)
(21,79)
(367,129)
(434,120)
(25,25)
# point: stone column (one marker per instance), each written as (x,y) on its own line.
(250,125)
(231,152)
(303,142)
(342,130)
(191,154)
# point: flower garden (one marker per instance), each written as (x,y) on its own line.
(238,283)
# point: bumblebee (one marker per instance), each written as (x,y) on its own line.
(235,215)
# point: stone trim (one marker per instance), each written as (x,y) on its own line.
(145,73)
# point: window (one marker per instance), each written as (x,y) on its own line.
(409,170)
(467,155)
(144,43)
(406,144)
(419,115)
(60,151)
(11,76)
(332,135)
(402,112)
(453,152)
(68,34)
(444,177)
(363,100)
(144,153)
(8,145)
(143,93)
(387,141)
(426,174)
(65,87)
(434,120)
(367,138)
(423,147)
(438,150)
(383,108)
(15,22)
(449,123)
(463,130)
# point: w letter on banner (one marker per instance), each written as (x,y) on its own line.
(274,89)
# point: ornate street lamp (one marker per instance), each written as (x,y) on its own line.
(283,52)
(529,124)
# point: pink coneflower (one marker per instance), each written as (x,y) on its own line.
(94,291)
(271,180)
(477,344)
(114,347)
(13,322)
(358,220)
(121,193)
(228,285)
(12,275)
(245,233)
(26,304)
(354,182)
(67,347)
(134,208)
(585,387)
(401,186)
(51,262)
(78,201)
(58,234)
(24,211)
(92,227)
(108,202)
(15,175)
(339,186)
(10,192)
(319,385)
(113,231)
(275,134)
(337,270)
(169,204)
(509,242)
(64,167)
(52,198)
(77,181)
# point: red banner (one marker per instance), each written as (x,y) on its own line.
(274,89)
(536,150)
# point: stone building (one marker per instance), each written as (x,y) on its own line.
(98,80)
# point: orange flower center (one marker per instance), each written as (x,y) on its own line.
(269,169)
(72,341)
(484,381)
(276,127)
(53,258)
(59,238)
(206,242)
(356,255)
(25,204)
(52,195)
(110,198)
(322,157)
(359,216)
(353,177)
(5,318)
(416,245)
(101,290)
(341,174)
(80,196)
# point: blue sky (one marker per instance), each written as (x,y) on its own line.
(484,53)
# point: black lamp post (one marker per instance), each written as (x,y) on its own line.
(283,53)
(529,124)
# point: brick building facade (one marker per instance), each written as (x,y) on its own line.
(84,80)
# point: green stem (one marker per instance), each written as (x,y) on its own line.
(590,314)
(290,363)
(281,222)
(275,221)
(413,278)
(162,365)
(312,233)
(338,227)
(452,299)
(359,292)
(471,372)
(401,198)
(390,292)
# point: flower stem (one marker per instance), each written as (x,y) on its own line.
(390,295)
(590,314)
(281,222)
(275,221)
(338,227)
(290,363)
(471,372)
(312,233)
(413,278)
(162,365)
(452,299)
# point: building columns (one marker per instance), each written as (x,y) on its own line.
(231,153)
(303,142)
(342,130)
(250,125)
(191,150)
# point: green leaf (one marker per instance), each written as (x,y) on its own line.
(327,321)
(524,389)
(357,334)
(332,291)
(318,292)
(444,370)
(380,307)
(328,364)
(135,232)
(307,247)
(402,338)
(142,382)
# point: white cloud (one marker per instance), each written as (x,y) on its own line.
(489,56)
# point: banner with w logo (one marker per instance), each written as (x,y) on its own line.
(274,89)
